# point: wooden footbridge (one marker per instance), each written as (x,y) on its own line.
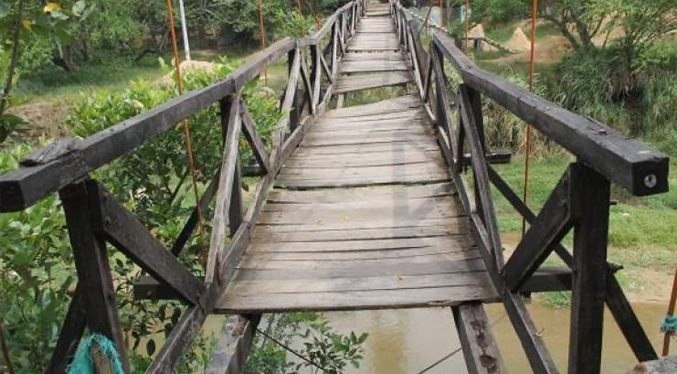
(382,205)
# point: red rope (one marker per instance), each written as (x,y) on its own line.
(527,153)
(186,132)
(671,312)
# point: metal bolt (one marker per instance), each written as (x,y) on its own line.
(650,180)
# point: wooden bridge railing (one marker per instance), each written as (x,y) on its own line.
(580,201)
(95,218)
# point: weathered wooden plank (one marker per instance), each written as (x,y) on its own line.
(232,349)
(264,263)
(364,224)
(257,144)
(223,196)
(355,300)
(349,246)
(130,236)
(351,194)
(480,173)
(546,231)
(357,284)
(625,161)
(480,349)
(373,66)
(448,266)
(401,158)
(178,342)
(95,280)
(298,252)
(590,200)
(415,178)
(398,205)
(264,233)
(364,82)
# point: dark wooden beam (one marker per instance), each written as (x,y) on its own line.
(69,335)
(178,342)
(517,204)
(257,144)
(537,353)
(493,157)
(232,350)
(627,162)
(548,279)
(95,280)
(549,228)
(130,236)
(479,165)
(224,194)
(590,203)
(480,349)
(628,322)
(188,229)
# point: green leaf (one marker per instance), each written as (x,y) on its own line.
(79,8)
(150,347)
(4,11)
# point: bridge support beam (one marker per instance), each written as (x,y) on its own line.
(480,350)
(232,350)
(591,193)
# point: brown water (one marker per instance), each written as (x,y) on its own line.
(408,341)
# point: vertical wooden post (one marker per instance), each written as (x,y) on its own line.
(95,280)
(589,197)
(294,114)
(236,209)
(476,103)
(316,73)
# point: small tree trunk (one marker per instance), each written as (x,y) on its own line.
(4,100)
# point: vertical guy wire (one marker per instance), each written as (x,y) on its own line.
(531,89)
(467,24)
(186,132)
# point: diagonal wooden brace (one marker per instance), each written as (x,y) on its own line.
(552,224)
(119,226)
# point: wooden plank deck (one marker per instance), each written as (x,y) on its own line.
(363,216)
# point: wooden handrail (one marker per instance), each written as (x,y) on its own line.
(29,184)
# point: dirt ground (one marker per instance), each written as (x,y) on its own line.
(46,118)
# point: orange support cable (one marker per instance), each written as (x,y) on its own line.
(527,153)
(671,315)
(467,25)
(186,132)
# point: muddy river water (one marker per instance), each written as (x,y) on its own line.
(408,341)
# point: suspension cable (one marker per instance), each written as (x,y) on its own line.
(527,153)
(291,350)
(186,132)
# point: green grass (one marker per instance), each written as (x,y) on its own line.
(53,83)
(500,33)
(642,231)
